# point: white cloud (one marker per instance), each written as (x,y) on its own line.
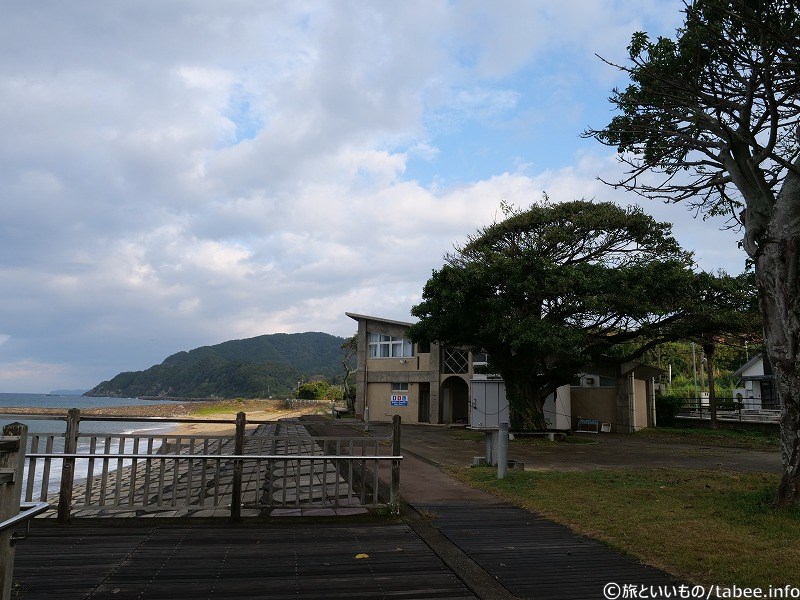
(181,174)
(24,370)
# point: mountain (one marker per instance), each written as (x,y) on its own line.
(267,365)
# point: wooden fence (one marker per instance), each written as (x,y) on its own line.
(144,474)
(12,446)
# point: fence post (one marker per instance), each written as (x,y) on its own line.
(12,462)
(238,467)
(68,465)
(395,491)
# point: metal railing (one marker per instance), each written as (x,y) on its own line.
(744,409)
(28,510)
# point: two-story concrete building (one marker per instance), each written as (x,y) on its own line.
(420,382)
(426,383)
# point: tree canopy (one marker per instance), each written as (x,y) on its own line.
(554,288)
(714,111)
(711,118)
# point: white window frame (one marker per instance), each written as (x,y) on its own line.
(399,387)
(387,346)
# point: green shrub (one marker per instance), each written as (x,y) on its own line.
(667,408)
(336,393)
(314,390)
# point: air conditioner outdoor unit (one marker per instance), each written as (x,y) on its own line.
(590,381)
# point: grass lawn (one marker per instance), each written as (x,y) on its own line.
(225,407)
(756,440)
(710,527)
(231,407)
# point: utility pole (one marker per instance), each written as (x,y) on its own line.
(702,370)
(694,371)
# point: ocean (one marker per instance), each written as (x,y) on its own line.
(39,425)
(81,402)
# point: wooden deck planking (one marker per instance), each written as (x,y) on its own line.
(532,556)
(217,561)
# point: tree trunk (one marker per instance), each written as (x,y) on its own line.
(526,406)
(708,349)
(777,277)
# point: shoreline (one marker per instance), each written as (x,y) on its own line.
(260,410)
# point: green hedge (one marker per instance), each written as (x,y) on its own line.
(667,408)
(314,390)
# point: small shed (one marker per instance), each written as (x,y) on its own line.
(756,389)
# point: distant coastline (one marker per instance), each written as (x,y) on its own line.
(169,398)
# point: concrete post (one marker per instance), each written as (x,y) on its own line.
(502,451)
(491,447)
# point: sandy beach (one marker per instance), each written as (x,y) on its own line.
(256,410)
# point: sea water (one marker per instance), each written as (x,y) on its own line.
(80,402)
(57,426)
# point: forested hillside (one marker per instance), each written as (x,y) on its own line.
(267,365)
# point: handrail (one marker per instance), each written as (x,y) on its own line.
(31,510)
(354,457)
(124,418)
(189,470)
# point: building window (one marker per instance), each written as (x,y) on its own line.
(479,358)
(399,387)
(386,346)
(423,347)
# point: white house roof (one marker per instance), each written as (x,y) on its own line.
(757,360)
(358,317)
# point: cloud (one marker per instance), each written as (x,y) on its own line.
(23,371)
(179,174)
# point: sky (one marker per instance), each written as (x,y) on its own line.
(178,174)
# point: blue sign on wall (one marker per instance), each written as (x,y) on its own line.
(399,400)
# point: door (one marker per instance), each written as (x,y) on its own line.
(424,403)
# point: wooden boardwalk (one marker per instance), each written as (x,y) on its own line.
(537,558)
(295,560)
(473,545)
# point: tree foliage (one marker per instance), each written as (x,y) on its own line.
(711,118)
(714,112)
(317,390)
(559,286)
(349,349)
